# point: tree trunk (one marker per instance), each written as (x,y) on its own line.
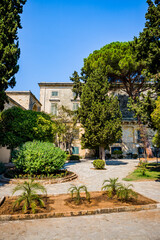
(146,144)
(101,153)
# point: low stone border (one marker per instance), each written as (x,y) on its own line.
(45,181)
(78,213)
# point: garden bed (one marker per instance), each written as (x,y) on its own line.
(60,176)
(63,205)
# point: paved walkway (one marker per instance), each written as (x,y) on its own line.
(142,225)
(93,179)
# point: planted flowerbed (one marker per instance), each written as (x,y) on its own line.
(115,197)
(65,204)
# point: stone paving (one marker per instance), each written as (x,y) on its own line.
(142,225)
(93,179)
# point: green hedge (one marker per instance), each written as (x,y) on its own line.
(99,164)
(73,157)
(39,158)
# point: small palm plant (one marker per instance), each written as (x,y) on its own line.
(29,197)
(143,168)
(111,187)
(125,192)
(76,190)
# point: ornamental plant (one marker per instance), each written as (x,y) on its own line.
(125,192)
(111,186)
(76,190)
(29,196)
(99,164)
(39,158)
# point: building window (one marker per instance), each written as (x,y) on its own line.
(54,109)
(75,150)
(75,106)
(54,94)
(115,149)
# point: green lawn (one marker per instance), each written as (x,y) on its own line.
(152,173)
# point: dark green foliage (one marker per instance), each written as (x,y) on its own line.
(39,157)
(15,173)
(148,44)
(143,168)
(9,46)
(76,190)
(18,126)
(118,64)
(125,192)
(2,168)
(117,152)
(143,107)
(29,196)
(99,113)
(111,187)
(73,157)
(99,164)
(135,156)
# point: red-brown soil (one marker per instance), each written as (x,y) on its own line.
(64,203)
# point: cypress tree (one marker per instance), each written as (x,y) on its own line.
(10,11)
(99,114)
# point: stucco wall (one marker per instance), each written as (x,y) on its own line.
(4,154)
(22,99)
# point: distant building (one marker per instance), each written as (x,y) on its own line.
(54,95)
(25,99)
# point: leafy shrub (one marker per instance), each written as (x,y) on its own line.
(135,156)
(118,152)
(29,197)
(111,186)
(99,164)
(18,126)
(2,168)
(73,157)
(76,190)
(39,157)
(125,192)
(143,168)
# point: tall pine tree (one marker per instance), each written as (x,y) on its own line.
(99,114)
(10,11)
(148,44)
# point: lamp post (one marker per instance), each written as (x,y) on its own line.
(138,146)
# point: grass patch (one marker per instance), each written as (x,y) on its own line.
(152,173)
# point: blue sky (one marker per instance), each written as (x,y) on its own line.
(58,34)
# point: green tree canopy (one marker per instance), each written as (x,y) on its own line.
(156,120)
(10,11)
(118,63)
(148,44)
(18,126)
(99,114)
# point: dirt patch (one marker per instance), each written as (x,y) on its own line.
(63,203)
